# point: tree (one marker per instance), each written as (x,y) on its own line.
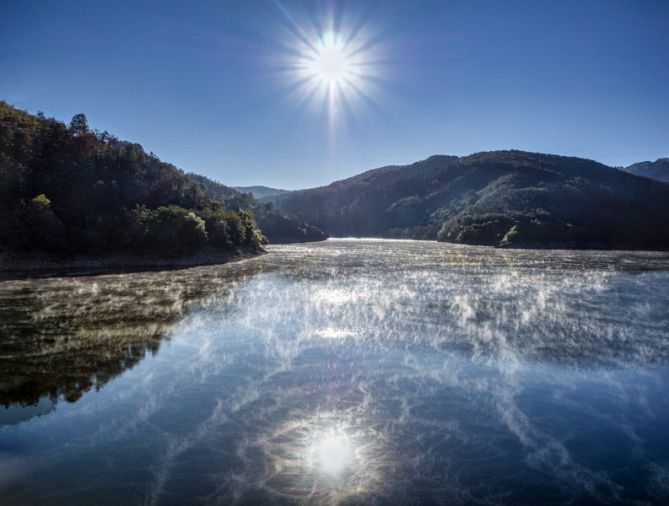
(79,124)
(109,196)
(172,231)
(41,230)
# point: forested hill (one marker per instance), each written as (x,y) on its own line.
(276,226)
(65,190)
(261,192)
(499,198)
(659,169)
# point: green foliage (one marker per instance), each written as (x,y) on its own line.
(223,228)
(42,200)
(42,228)
(229,197)
(32,226)
(170,230)
(72,191)
(79,124)
(276,226)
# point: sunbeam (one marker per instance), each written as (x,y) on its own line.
(334,65)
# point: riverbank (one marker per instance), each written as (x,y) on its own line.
(14,267)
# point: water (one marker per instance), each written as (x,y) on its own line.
(344,372)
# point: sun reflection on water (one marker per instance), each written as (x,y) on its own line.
(326,458)
(332,453)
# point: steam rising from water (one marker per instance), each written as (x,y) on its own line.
(357,371)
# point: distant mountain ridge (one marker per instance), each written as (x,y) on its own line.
(659,169)
(499,198)
(67,190)
(260,192)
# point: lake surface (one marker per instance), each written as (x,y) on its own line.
(343,372)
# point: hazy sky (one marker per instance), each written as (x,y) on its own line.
(219,87)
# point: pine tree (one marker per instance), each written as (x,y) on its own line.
(79,124)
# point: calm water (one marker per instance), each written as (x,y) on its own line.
(354,372)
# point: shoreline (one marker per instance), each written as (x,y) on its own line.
(39,268)
(516,246)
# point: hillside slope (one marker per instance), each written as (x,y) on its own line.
(67,191)
(499,198)
(260,192)
(277,227)
(659,169)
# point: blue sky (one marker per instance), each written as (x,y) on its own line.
(211,86)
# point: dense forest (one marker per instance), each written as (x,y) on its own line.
(276,226)
(659,169)
(499,198)
(66,190)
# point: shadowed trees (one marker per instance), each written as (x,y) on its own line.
(499,198)
(69,190)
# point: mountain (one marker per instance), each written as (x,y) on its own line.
(68,191)
(659,169)
(276,226)
(260,192)
(498,198)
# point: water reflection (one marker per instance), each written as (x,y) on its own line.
(332,452)
(64,336)
(352,372)
(325,458)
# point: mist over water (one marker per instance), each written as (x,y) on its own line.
(343,372)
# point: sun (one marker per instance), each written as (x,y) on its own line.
(331,67)
(329,61)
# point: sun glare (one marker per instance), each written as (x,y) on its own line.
(332,453)
(329,63)
(332,66)
(326,457)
